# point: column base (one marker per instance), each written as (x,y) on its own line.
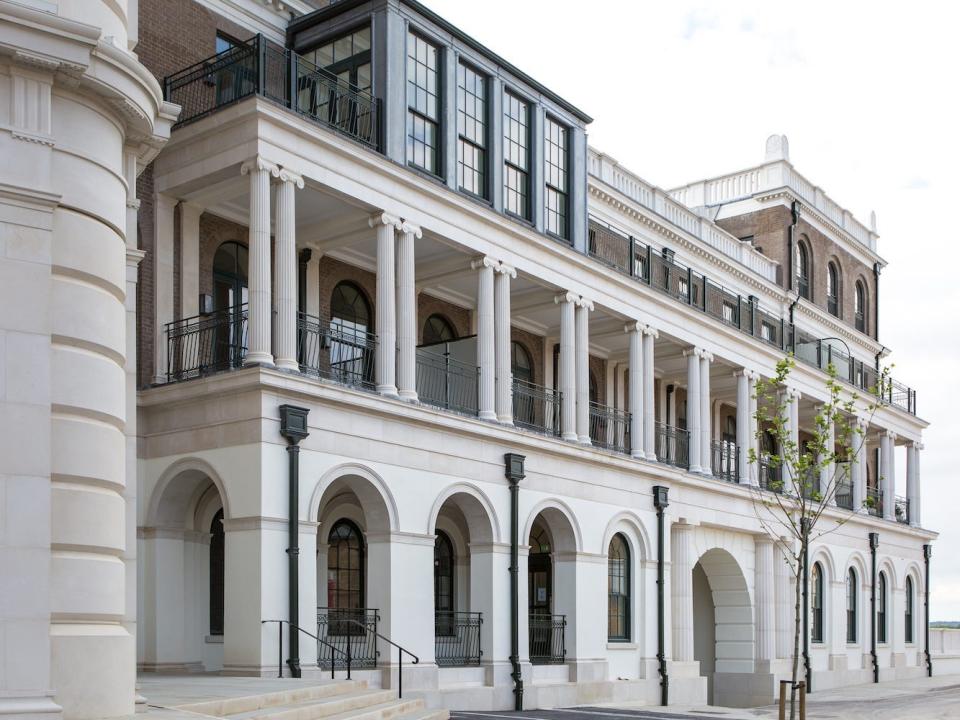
(487,415)
(409,395)
(258,358)
(584,440)
(570,437)
(505,420)
(288,364)
(651,456)
(388,391)
(36,707)
(694,469)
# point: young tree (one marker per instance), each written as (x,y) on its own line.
(805,478)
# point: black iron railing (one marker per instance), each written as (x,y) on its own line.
(609,428)
(875,501)
(260,67)
(724,460)
(844,494)
(548,641)
(320,644)
(352,633)
(447,383)
(901,510)
(536,407)
(204,344)
(337,350)
(769,474)
(457,638)
(672,445)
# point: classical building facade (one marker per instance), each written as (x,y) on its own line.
(349,327)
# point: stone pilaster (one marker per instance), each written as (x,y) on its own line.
(913,482)
(486,336)
(858,472)
(285,271)
(407,311)
(784,598)
(163,206)
(189,259)
(259,313)
(568,373)
(583,369)
(827,472)
(681,590)
(765,598)
(504,378)
(386,354)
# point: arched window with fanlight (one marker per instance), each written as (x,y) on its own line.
(438,329)
(860,306)
(833,289)
(816,605)
(352,342)
(443,584)
(882,607)
(802,269)
(618,589)
(526,410)
(346,566)
(851,605)
(908,611)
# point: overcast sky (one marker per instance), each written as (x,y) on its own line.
(866,94)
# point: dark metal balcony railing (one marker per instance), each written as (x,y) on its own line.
(457,638)
(844,494)
(347,630)
(875,501)
(203,344)
(548,642)
(769,475)
(337,350)
(447,383)
(609,428)
(672,445)
(536,407)
(901,510)
(724,459)
(260,67)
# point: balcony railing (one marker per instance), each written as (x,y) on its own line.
(769,474)
(205,344)
(672,445)
(901,510)
(609,428)
(446,382)
(844,494)
(725,459)
(536,407)
(457,638)
(350,631)
(875,501)
(548,642)
(337,350)
(259,67)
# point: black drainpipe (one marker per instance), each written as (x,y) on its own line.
(926,609)
(293,427)
(876,301)
(660,502)
(513,469)
(874,543)
(805,531)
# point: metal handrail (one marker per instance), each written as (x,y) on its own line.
(280,624)
(400,648)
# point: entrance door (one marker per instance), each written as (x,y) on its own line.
(540,595)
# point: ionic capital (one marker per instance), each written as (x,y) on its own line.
(565,297)
(408,228)
(508,270)
(917,445)
(633,327)
(258,162)
(584,303)
(706,355)
(483,261)
(379,219)
(287,175)
(651,330)
(693,352)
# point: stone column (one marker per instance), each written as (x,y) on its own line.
(706,434)
(568,374)
(827,472)
(913,483)
(189,259)
(649,416)
(887,478)
(386,311)
(504,377)
(681,590)
(784,597)
(285,271)
(407,311)
(693,406)
(858,472)
(583,370)
(312,293)
(765,598)
(743,424)
(163,206)
(635,390)
(754,440)
(792,422)
(486,336)
(259,315)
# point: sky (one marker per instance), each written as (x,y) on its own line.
(867,96)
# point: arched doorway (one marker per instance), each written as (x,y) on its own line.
(229,303)
(723,630)
(352,338)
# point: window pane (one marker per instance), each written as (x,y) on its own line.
(516,138)
(555,172)
(423,104)
(472,128)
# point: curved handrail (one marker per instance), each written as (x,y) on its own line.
(400,648)
(319,640)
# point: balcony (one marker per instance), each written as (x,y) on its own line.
(901,510)
(609,428)
(844,495)
(447,378)
(875,501)
(725,460)
(672,445)
(536,407)
(260,68)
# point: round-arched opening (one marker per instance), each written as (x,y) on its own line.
(438,329)
(230,263)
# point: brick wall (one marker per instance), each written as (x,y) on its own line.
(535,345)
(333,271)
(458,317)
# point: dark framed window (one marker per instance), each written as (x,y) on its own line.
(618,589)
(860,306)
(802,271)
(423,104)
(216,574)
(555,171)
(816,605)
(908,611)
(851,605)
(882,607)
(521,365)
(351,334)
(443,564)
(472,131)
(230,264)
(540,571)
(833,289)
(225,42)
(348,57)
(437,329)
(346,563)
(516,156)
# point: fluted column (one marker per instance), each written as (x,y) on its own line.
(784,597)
(583,369)
(693,406)
(285,271)
(259,311)
(765,598)
(504,381)
(568,373)
(486,341)
(649,416)
(887,479)
(743,424)
(858,472)
(681,590)
(792,423)
(407,311)
(706,415)
(754,440)
(913,482)
(189,259)
(386,311)
(827,471)
(637,372)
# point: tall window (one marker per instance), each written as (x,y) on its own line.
(516,156)
(802,261)
(860,307)
(443,575)
(347,57)
(833,289)
(423,104)
(216,574)
(345,567)
(555,170)
(618,589)
(472,129)
(437,329)
(851,605)
(908,611)
(351,327)
(229,275)
(882,608)
(816,581)
(520,363)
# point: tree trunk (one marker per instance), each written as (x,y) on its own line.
(796,635)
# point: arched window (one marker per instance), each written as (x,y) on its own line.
(851,605)
(351,335)
(833,289)
(521,365)
(345,567)
(908,611)
(802,262)
(618,589)
(216,574)
(816,582)
(443,584)
(860,306)
(540,571)
(882,607)
(437,329)
(229,276)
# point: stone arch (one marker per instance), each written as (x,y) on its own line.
(635,533)
(379,505)
(178,490)
(886,565)
(562,524)
(478,511)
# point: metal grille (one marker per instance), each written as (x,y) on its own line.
(336,351)
(609,428)
(203,344)
(446,382)
(875,501)
(547,638)
(672,445)
(457,638)
(536,407)
(769,474)
(724,458)
(901,510)
(350,631)
(844,494)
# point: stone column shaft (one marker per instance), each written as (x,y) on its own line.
(887,479)
(386,353)
(635,378)
(407,311)
(285,271)
(681,591)
(163,206)
(743,423)
(913,483)
(826,474)
(693,407)
(765,592)
(706,434)
(784,598)
(189,259)
(582,363)
(504,377)
(649,413)
(259,312)
(568,373)
(754,440)
(858,472)
(486,332)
